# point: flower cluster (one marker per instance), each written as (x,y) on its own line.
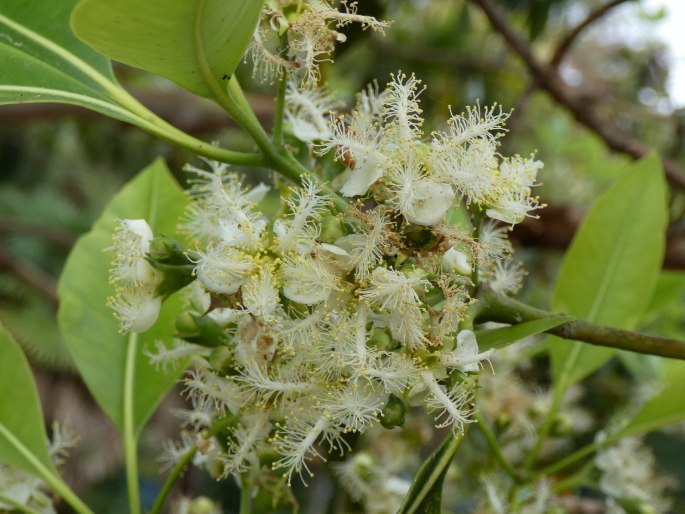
(311,32)
(324,321)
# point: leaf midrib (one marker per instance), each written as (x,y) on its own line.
(611,268)
(108,85)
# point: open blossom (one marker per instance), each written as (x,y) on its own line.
(381,143)
(135,303)
(319,321)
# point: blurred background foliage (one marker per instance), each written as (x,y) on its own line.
(59,165)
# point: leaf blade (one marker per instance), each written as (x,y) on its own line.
(195,44)
(500,337)
(88,326)
(23,440)
(610,271)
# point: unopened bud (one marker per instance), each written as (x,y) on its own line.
(393,413)
(331,229)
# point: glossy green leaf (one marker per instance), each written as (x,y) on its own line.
(42,61)
(88,325)
(197,44)
(666,408)
(501,337)
(610,271)
(23,441)
(425,494)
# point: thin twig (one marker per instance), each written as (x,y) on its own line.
(549,80)
(503,309)
(569,39)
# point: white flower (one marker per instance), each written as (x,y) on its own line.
(475,124)
(465,356)
(307,110)
(401,107)
(241,455)
(354,406)
(308,280)
(513,206)
(493,243)
(306,206)
(430,202)
(297,446)
(406,325)
(136,308)
(474,171)
(505,277)
(131,243)
(260,294)
(457,261)
(358,141)
(453,405)
(223,269)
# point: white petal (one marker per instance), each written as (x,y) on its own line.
(455,260)
(431,203)
(361,179)
(147,315)
(467,348)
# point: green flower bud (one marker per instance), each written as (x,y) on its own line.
(222,361)
(380,340)
(202,505)
(331,229)
(164,250)
(393,413)
(201,330)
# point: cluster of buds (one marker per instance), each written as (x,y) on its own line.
(323,321)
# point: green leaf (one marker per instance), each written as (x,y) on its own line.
(610,271)
(501,337)
(425,494)
(88,326)
(197,44)
(23,441)
(42,61)
(666,408)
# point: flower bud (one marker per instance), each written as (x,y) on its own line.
(202,505)
(202,330)
(380,340)
(331,229)
(165,250)
(456,261)
(393,413)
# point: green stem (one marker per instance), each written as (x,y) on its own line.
(476,220)
(545,429)
(503,309)
(574,481)
(574,457)
(184,461)
(129,432)
(495,448)
(16,505)
(233,101)
(245,495)
(51,478)
(172,478)
(495,307)
(277,134)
